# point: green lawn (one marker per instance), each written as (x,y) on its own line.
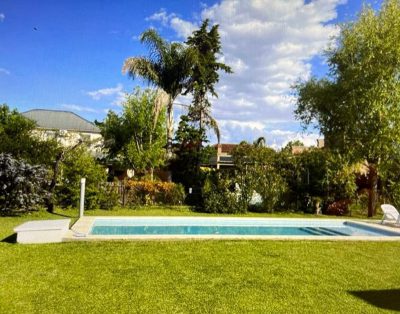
(196,276)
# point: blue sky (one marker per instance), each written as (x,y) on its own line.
(68,55)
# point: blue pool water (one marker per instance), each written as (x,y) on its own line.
(233,226)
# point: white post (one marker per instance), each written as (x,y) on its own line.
(82,199)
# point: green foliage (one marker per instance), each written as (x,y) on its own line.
(206,47)
(23,186)
(220,195)
(256,171)
(185,166)
(316,176)
(189,156)
(289,146)
(357,106)
(391,183)
(270,185)
(80,164)
(136,137)
(167,67)
(341,177)
(244,174)
(17,139)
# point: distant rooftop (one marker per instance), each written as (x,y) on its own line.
(60,120)
(226,148)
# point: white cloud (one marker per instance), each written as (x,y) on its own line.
(232,130)
(79,108)
(100,93)
(116,92)
(2,17)
(183,28)
(269,44)
(4,71)
(161,16)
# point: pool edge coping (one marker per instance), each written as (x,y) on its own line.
(81,229)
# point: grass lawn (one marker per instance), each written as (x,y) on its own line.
(196,276)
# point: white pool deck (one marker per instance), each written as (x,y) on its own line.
(42,231)
(81,230)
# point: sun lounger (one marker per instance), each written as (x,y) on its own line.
(390,213)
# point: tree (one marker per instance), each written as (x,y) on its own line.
(357,106)
(136,137)
(167,67)
(185,166)
(77,164)
(206,47)
(255,170)
(18,139)
(260,142)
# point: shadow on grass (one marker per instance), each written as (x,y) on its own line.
(384,299)
(10,239)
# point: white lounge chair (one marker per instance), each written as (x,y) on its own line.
(390,213)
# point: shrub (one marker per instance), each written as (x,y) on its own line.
(108,197)
(23,186)
(270,185)
(154,192)
(338,208)
(80,164)
(17,137)
(220,194)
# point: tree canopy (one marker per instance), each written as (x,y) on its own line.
(167,66)
(206,47)
(18,139)
(357,106)
(136,137)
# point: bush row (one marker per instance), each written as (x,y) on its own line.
(153,192)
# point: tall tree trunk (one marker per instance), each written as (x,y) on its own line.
(170,133)
(373,190)
(151,174)
(170,127)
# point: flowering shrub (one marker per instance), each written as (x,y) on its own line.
(22,185)
(154,192)
(338,208)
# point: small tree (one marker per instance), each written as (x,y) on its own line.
(78,164)
(137,136)
(255,171)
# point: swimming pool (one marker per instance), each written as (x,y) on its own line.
(234,227)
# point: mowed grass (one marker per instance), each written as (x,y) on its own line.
(197,276)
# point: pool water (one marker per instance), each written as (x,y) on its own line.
(233,226)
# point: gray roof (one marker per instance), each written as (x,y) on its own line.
(60,120)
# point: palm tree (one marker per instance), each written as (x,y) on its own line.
(260,142)
(202,114)
(167,67)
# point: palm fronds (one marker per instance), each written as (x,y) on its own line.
(143,67)
(213,124)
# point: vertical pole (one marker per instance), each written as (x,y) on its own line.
(82,199)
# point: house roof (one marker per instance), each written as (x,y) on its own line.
(226,148)
(60,120)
